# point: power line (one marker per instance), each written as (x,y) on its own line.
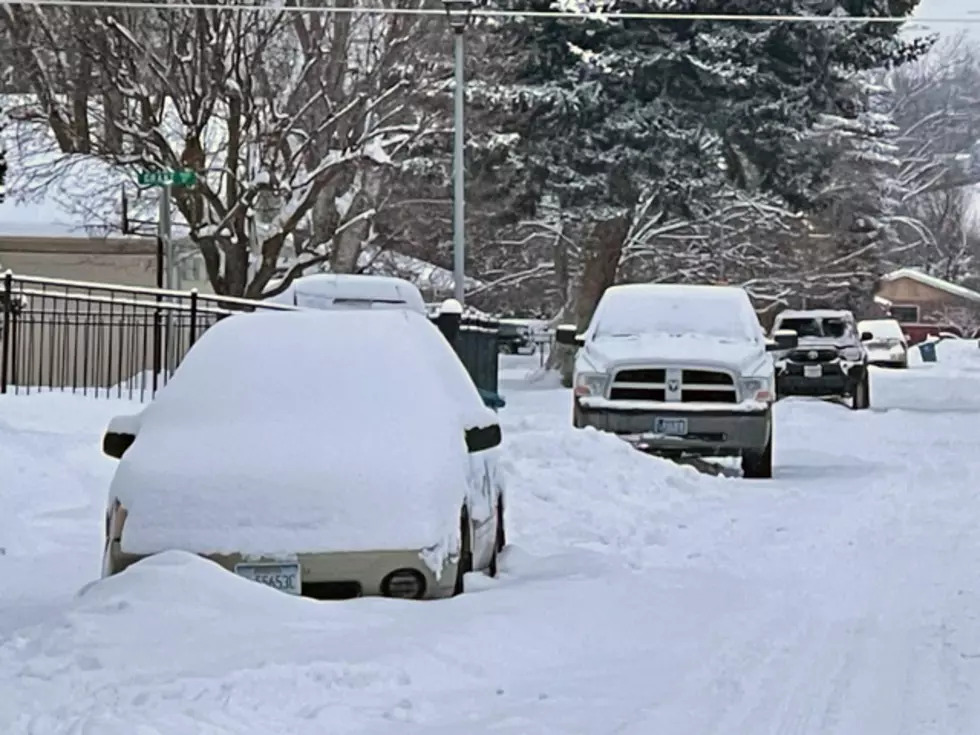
(485,13)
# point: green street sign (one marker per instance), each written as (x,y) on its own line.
(165,178)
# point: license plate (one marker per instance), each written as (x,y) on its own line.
(812,371)
(285,577)
(672,427)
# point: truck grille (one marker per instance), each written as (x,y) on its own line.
(823,354)
(665,385)
(707,386)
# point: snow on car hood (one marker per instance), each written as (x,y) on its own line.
(744,357)
(278,487)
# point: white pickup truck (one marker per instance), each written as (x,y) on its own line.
(678,370)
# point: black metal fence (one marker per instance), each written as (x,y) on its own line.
(115,341)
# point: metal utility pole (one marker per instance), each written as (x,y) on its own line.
(459,12)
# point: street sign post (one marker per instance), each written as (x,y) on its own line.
(166,181)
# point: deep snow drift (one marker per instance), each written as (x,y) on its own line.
(637,597)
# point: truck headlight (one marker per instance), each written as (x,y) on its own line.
(758,389)
(591,384)
(851,354)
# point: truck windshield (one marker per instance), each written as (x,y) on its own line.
(677,313)
(812,327)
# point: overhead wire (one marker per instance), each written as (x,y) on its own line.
(495,13)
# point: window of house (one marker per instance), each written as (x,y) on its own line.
(905,314)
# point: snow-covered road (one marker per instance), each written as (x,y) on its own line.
(638,597)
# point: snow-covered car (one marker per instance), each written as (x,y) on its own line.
(351,291)
(678,369)
(829,359)
(887,346)
(331,454)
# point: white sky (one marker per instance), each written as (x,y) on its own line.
(951,9)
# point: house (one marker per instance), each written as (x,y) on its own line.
(119,260)
(918,298)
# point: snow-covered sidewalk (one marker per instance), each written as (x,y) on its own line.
(638,597)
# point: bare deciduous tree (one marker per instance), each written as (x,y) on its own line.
(292,122)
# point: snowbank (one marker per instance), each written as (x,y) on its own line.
(582,490)
(53,479)
(301,432)
(637,597)
(51,491)
(952,383)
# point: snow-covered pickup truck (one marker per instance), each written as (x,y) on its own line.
(678,370)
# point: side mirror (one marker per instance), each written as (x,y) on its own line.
(783,339)
(867,336)
(120,434)
(484,437)
(115,444)
(567,334)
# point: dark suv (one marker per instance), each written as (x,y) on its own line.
(829,361)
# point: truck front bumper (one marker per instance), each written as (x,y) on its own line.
(835,379)
(713,431)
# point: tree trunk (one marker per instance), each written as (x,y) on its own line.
(601,255)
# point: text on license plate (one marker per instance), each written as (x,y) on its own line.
(812,371)
(671,427)
(285,576)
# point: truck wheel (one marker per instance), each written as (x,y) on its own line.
(577,420)
(862,394)
(757,464)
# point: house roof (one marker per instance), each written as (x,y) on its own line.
(932,282)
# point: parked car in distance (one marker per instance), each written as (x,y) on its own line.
(887,346)
(514,337)
(829,359)
(351,291)
(678,370)
(329,454)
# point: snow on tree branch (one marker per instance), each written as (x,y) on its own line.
(290,122)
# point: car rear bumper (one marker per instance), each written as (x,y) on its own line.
(714,432)
(337,575)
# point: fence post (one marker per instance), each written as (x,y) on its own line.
(193,325)
(8,305)
(448,320)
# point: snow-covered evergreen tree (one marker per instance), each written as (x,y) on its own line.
(616,114)
(863,194)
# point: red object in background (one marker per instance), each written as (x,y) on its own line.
(920,332)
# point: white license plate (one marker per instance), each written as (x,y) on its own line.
(285,576)
(812,371)
(671,427)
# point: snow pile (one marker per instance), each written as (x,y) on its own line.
(589,491)
(303,431)
(36,491)
(952,383)
(637,597)
(53,480)
(526,372)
